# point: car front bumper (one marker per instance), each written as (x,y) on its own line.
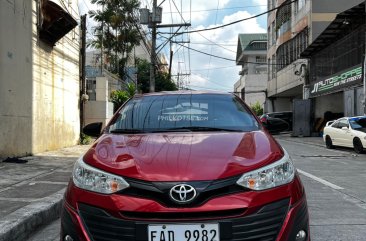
(277,214)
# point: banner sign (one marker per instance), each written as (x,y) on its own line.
(338,81)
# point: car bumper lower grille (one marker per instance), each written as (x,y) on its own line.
(263,225)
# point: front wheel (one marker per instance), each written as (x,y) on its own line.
(357,145)
(328,142)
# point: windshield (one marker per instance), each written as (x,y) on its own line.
(183,112)
(358,123)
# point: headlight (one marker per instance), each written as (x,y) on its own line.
(273,175)
(93,179)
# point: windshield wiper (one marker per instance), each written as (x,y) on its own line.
(127,131)
(197,128)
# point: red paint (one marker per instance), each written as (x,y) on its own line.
(183,156)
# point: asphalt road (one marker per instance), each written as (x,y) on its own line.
(335,183)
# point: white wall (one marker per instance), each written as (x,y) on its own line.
(98,111)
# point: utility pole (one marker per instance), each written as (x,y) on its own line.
(83,96)
(153,21)
(170,61)
(153,48)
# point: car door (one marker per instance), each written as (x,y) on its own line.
(345,134)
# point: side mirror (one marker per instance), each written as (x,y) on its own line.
(93,129)
(345,128)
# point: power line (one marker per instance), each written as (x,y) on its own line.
(238,21)
(219,45)
(223,67)
(219,57)
(220,9)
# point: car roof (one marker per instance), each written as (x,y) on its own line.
(184,92)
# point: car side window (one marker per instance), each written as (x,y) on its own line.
(335,124)
(343,123)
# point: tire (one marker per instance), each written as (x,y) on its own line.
(357,146)
(328,142)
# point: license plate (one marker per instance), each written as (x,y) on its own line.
(184,232)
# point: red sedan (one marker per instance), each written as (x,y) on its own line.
(184,166)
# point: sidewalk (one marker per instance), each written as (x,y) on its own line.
(31,190)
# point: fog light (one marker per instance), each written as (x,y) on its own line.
(68,238)
(301,235)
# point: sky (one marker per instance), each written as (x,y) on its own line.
(199,71)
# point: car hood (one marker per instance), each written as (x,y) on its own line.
(183,156)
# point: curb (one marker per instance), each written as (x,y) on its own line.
(19,225)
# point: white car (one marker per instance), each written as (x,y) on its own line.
(347,132)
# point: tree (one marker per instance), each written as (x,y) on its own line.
(116,33)
(162,80)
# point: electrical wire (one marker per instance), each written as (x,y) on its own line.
(221,9)
(235,22)
(239,62)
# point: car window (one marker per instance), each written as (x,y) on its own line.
(335,124)
(343,123)
(164,112)
(357,123)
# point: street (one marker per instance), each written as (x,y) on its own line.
(335,186)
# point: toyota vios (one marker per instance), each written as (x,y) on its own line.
(184,166)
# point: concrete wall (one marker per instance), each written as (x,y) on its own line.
(256,85)
(286,80)
(333,103)
(39,85)
(282,104)
(98,111)
(55,89)
(15,78)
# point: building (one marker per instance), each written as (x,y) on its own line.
(292,27)
(336,75)
(251,56)
(39,76)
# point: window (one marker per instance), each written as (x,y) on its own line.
(164,112)
(260,59)
(341,123)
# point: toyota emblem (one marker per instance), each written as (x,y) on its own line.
(183,193)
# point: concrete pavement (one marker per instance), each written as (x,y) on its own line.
(31,188)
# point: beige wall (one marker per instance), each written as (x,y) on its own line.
(55,89)
(15,78)
(39,86)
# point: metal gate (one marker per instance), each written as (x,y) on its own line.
(302,117)
(360,98)
(349,102)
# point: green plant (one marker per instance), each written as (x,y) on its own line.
(118,97)
(257,108)
(85,140)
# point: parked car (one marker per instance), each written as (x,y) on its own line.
(277,121)
(347,132)
(184,166)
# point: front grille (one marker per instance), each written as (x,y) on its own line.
(262,225)
(159,191)
(184,215)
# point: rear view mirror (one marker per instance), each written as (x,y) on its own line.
(93,129)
